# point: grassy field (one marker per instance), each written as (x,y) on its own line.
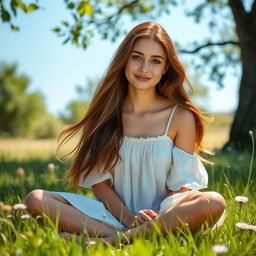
(23,148)
(26,236)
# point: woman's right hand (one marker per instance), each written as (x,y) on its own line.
(143,216)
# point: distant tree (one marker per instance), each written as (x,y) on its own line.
(20,110)
(199,95)
(77,108)
(48,126)
(231,45)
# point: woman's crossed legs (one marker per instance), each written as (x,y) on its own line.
(194,209)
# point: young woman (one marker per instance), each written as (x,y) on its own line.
(138,151)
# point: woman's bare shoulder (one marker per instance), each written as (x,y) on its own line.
(184,116)
(185,128)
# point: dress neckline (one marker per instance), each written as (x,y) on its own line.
(147,139)
(154,138)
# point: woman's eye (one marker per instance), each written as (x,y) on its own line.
(136,57)
(156,61)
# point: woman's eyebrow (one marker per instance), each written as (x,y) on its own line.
(155,56)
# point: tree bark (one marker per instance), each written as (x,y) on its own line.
(245,116)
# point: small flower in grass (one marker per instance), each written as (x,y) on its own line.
(9,216)
(20,172)
(241,199)
(91,243)
(243,225)
(5,208)
(51,167)
(25,216)
(19,207)
(252,227)
(220,248)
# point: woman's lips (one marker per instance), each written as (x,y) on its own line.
(142,78)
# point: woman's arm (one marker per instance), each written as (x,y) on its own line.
(185,130)
(182,189)
(104,193)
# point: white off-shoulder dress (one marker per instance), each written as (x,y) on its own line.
(149,165)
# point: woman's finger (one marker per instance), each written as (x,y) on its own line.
(145,216)
(140,219)
(151,213)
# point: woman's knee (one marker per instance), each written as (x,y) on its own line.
(215,201)
(34,200)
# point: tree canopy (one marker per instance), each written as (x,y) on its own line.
(231,45)
(23,113)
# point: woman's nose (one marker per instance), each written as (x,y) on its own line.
(144,66)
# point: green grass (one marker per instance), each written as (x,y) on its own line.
(228,176)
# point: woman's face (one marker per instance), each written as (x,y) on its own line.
(146,64)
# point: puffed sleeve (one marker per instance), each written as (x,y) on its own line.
(186,171)
(94,178)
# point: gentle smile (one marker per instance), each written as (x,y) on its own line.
(142,78)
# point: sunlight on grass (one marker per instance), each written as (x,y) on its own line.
(29,164)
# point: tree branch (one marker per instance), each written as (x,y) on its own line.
(238,10)
(115,15)
(209,45)
(253,10)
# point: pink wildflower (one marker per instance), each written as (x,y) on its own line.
(241,199)
(19,207)
(243,225)
(9,216)
(25,216)
(219,248)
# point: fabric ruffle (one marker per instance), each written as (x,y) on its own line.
(186,171)
(93,178)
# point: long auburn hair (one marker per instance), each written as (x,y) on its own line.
(102,128)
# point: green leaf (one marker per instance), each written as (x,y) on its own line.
(89,9)
(85,7)
(13,7)
(85,42)
(71,6)
(66,40)
(89,31)
(21,5)
(15,28)
(65,23)
(75,18)
(5,16)
(32,7)
(56,29)
(75,40)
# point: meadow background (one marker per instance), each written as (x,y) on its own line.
(36,158)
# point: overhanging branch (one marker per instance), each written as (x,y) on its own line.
(253,10)
(112,16)
(209,44)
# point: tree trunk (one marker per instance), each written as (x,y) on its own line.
(245,116)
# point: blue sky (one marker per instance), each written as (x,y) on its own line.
(55,69)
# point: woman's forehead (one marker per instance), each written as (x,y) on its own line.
(148,47)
